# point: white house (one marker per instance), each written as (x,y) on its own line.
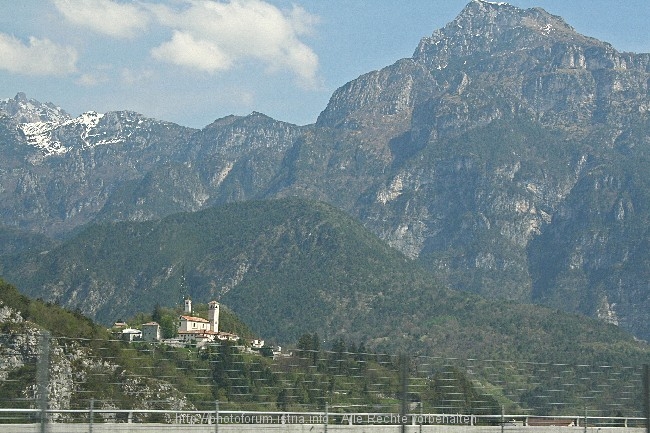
(130,334)
(227,336)
(192,324)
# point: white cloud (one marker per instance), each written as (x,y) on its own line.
(303,22)
(206,35)
(39,57)
(185,50)
(214,35)
(134,77)
(119,20)
(91,80)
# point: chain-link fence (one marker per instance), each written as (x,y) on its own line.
(61,380)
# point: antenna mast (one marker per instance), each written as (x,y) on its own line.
(182,287)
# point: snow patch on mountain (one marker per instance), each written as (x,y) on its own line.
(39,135)
(493,3)
(44,135)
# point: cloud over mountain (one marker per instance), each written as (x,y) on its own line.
(38,57)
(107,17)
(214,35)
(207,36)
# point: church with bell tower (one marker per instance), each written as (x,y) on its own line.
(200,329)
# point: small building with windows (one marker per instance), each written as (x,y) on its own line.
(192,324)
(151,331)
(130,334)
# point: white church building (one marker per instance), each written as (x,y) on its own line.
(200,330)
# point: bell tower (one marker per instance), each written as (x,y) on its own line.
(213,315)
(188,305)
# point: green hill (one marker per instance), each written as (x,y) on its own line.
(289,267)
(87,362)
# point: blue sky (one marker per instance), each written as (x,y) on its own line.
(193,61)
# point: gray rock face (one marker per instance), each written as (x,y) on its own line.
(507,154)
(489,158)
(71,367)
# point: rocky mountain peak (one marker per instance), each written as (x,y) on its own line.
(245,133)
(534,61)
(255,118)
(23,110)
(485,27)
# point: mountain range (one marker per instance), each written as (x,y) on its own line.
(507,157)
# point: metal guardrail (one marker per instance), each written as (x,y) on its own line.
(190,417)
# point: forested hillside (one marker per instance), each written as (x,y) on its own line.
(289,267)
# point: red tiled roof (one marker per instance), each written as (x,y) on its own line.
(194,319)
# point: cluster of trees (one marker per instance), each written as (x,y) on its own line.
(446,390)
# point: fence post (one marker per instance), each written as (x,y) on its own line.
(646,396)
(404,391)
(216,416)
(91,415)
(43,376)
(503,417)
(327,414)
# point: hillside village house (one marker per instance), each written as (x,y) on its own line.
(130,334)
(191,329)
(151,331)
(121,330)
